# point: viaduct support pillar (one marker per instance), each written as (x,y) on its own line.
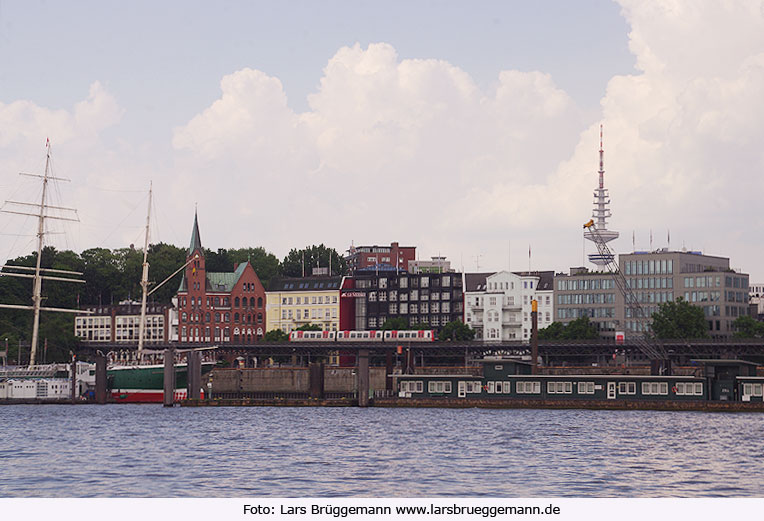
(389,371)
(362,378)
(100,377)
(194,380)
(169,377)
(317,380)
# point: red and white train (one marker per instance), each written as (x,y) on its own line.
(427,335)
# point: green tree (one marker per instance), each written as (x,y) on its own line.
(395,324)
(456,330)
(748,327)
(275,335)
(423,326)
(581,329)
(578,329)
(265,264)
(313,256)
(309,327)
(554,331)
(164,260)
(679,320)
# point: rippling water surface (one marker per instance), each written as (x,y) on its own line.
(150,451)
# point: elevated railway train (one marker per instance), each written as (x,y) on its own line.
(427,335)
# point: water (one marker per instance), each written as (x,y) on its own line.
(150,451)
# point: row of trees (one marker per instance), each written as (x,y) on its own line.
(112,276)
(673,320)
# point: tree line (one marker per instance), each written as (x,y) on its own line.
(112,276)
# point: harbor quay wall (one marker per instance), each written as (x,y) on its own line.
(514,403)
(290,380)
(471,403)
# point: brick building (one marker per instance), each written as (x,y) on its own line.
(398,257)
(219,307)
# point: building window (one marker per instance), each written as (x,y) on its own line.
(559,387)
(627,388)
(691,389)
(439,387)
(528,387)
(654,388)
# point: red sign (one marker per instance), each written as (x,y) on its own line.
(619,337)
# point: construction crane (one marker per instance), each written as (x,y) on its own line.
(655,353)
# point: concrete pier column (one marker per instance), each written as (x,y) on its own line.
(362,378)
(316,380)
(100,378)
(169,377)
(194,381)
(389,371)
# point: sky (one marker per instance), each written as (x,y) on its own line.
(469,130)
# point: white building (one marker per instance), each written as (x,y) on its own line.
(498,305)
(756,296)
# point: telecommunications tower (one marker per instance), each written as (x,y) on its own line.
(600,215)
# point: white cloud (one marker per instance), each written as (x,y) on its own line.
(414,150)
(390,150)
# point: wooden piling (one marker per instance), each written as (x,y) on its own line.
(362,378)
(169,377)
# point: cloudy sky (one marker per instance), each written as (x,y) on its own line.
(469,130)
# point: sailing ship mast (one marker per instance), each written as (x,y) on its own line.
(144,280)
(38,277)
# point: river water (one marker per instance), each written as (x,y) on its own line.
(150,451)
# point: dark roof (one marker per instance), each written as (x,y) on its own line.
(196,240)
(475,281)
(305,284)
(382,266)
(546,278)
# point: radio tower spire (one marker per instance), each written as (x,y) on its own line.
(601,213)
